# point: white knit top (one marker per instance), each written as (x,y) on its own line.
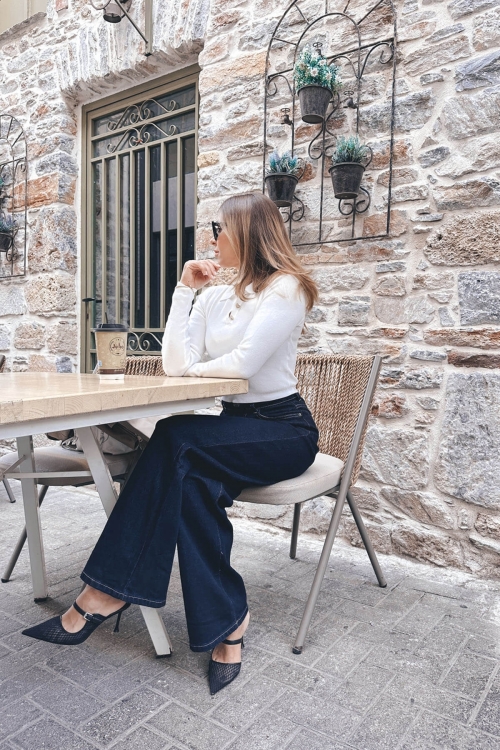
(225,337)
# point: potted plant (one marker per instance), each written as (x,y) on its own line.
(315,82)
(282,176)
(8,227)
(347,168)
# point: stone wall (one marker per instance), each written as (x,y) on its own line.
(427,299)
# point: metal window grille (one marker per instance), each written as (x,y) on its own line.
(141,210)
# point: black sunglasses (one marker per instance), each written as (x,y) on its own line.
(216,229)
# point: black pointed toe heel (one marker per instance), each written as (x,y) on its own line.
(220,674)
(52,630)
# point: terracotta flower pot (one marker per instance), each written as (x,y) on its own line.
(281,187)
(346,179)
(314,101)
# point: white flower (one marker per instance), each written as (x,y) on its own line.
(314,72)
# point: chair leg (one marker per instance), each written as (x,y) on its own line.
(295,530)
(366,541)
(20,544)
(320,573)
(8,490)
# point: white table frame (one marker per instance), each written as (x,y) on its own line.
(84,424)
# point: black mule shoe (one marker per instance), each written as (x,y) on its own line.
(52,630)
(221,674)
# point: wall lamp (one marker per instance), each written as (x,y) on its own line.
(114,10)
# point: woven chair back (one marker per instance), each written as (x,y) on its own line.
(144,365)
(333,387)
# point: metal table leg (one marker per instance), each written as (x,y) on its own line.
(107,493)
(32,517)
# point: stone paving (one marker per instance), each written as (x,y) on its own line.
(411,667)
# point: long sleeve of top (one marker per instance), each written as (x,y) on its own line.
(222,336)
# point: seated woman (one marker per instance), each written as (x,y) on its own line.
(195,465)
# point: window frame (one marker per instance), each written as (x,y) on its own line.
(100,108)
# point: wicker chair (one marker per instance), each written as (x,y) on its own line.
(339,391)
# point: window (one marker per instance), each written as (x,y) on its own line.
(15,11)
(140,209)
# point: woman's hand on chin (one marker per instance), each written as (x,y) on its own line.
(197,273)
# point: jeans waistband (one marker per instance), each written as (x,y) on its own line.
(249,407)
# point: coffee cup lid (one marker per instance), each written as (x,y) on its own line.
(110,327)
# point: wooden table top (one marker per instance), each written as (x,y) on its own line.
(37,395)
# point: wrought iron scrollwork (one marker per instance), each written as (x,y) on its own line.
(143,342)
(140,112)
(297,26)
(139,136)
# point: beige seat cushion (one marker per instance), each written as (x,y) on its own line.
(321,477)
(55,458)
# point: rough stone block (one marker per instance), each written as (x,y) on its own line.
(476,155)
(472,115)
(62,337)
(460,8)
(402,153)
(217,136)
(434,156)
(444,279)
(460,359)
(5,333)
(51,295)
(486,30)
(405,193)
(446,32)
(438,55)
(245,151)
(12,300)
(345,277)
(53,188)
(245,69)
(421,506)
(208,159)
(479,297)
(39,363)
(397,310)
(428,355)
(480,338)
(488,525)
(445,318)
(467,465)
(391,266)
(61,5)
(354,311)
(398,457)
(426,402)
(484,191)
(29,336)
(391,406)
(377,224)
(412,112)
(478,72)
(466,240)
(423,543)
(390,286)
(400,176)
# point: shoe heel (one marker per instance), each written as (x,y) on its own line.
(117,626)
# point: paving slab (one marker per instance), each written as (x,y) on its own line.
(415,666)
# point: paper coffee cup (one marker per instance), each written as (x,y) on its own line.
(111,345)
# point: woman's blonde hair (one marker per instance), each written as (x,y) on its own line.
(255,228)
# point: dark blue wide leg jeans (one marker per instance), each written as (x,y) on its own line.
(191,471)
